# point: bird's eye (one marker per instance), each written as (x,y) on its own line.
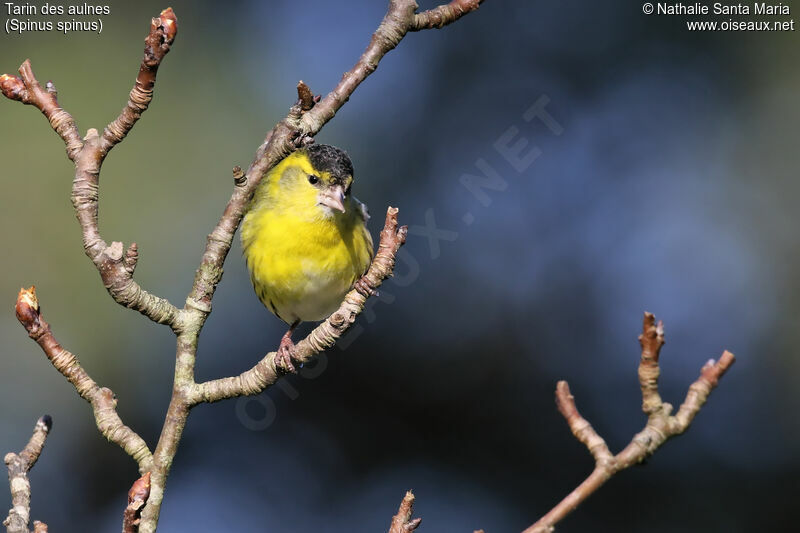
(313,180)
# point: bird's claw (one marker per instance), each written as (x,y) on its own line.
(364,288)
(284,356)
(301,140)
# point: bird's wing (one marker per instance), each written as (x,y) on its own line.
(363,213)
(362,210)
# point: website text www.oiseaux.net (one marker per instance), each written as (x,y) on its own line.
(778,13)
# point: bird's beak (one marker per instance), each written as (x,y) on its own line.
(333,197)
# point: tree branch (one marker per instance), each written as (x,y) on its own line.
(115,266)
(19,464)
(265,373)
(102,400)
(402,521)
(661,426)
(445,14)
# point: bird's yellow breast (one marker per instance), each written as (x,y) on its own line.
(301,262)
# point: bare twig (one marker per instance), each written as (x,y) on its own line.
(443,15)
(661,425)
(581,428)
(19,464)
(102,400)
(28,91)
(163,30)
(137,497)
(401,18)
(402,521)
(651,340)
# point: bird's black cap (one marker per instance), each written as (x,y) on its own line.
(330,159)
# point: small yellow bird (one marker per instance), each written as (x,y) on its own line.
(305,239)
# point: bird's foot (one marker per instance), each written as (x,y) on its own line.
(301,140)
(285,353)
(363,287)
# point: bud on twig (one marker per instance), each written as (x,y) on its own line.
(27,308)
(305,97)
(239,176)
(45,422)
(137,497)
(170,24)
(140,490)
(12,87)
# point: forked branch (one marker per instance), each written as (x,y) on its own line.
(26,89)
(115,265)
(19,464)
(403,522)
(661,424)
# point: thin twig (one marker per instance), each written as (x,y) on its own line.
(661,425)
(28,91)
(445,14)
(102,400)
(401,18)
(19,464)
(579,426)
(651,340)
(163,30)
(402,521)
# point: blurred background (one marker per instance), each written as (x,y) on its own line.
(666,181)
